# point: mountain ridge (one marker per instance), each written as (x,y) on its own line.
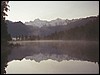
(19,28)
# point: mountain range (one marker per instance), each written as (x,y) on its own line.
(56,22)
(45,28)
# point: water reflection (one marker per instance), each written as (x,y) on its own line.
(82,50)
(37,52)
(52,67)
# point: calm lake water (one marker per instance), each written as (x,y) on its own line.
(54,57)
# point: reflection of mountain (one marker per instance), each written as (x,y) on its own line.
(39,57)
(80,50)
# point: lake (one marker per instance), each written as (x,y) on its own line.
(54,57)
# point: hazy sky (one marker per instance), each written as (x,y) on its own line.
(49,10)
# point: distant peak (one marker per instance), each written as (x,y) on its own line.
(37,19)
(58,19)
(19,22)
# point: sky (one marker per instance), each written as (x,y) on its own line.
(49,10)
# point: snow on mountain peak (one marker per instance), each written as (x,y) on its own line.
(40,23)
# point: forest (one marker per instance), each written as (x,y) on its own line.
(85,29)
(90,31)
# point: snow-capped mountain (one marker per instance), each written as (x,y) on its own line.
(44,28)
(40,23)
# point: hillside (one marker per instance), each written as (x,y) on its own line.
(83,31)
(83,28)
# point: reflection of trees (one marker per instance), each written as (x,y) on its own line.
(4,55)
(87,51)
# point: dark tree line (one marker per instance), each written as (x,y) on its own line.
(26,37)
(89,31)
(4,36)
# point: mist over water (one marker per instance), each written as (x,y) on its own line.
(54,56)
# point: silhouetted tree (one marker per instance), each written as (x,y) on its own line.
(26,37)
(4,36)
(22,37)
